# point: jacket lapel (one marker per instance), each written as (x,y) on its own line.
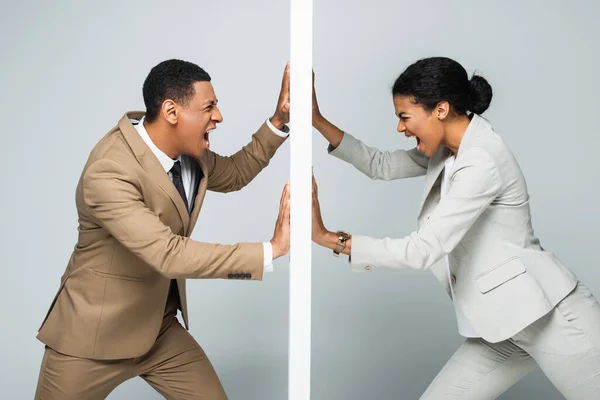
(151,164)
(438,160)
(200,193)
(435,168)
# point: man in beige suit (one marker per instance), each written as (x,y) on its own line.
(138,199)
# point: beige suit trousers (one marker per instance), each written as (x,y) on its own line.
(176,367)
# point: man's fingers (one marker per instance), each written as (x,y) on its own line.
(284,195)
(282,198)
(285,83)
(286,211)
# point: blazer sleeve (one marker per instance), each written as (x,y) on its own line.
(115,202)
(377,164)
(473,186)
(232,173)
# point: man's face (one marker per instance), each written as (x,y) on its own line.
(195,121)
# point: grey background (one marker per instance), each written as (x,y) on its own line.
(69,71)
(386,334)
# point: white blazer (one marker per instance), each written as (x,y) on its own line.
(503,279)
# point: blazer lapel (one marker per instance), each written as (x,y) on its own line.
(438,160)
(151,164)
(200,193)
(433,173)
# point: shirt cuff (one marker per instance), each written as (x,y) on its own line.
(268,260)
(284,133)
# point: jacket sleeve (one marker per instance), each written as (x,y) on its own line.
(377,164)
(232,173)
(473,186)
(115,202)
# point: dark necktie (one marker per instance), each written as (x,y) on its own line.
(178,182)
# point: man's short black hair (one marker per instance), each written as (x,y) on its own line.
(171,79)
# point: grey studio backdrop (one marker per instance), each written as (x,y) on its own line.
(69,71)
(385,334)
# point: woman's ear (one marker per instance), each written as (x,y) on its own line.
(442,110)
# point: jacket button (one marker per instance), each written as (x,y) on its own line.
(230,276)
(453,279)
(248,276)
(236,276)
(368,268)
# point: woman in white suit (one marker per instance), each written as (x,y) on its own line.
(516,304)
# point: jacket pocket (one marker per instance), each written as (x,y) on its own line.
(116,276)
(500,274)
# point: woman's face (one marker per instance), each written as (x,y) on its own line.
(415,121)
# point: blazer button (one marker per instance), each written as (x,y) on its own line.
(236,276)
(368,268)
(248,276)
(453,279)
(230,276)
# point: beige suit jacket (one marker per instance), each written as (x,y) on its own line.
(503,279)
(134,238)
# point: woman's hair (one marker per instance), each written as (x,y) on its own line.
(436,79)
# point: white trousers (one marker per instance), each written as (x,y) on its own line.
(565,344)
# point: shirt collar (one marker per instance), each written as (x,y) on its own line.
(166,161)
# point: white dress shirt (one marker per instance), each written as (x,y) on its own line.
(188,176)
(464,328)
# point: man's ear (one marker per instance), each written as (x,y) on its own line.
(169,111)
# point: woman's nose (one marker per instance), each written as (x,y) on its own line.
(401,128)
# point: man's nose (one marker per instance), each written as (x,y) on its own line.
(217,116)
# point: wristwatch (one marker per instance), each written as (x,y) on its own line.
(341,244)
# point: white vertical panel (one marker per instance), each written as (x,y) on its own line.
(300,201)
